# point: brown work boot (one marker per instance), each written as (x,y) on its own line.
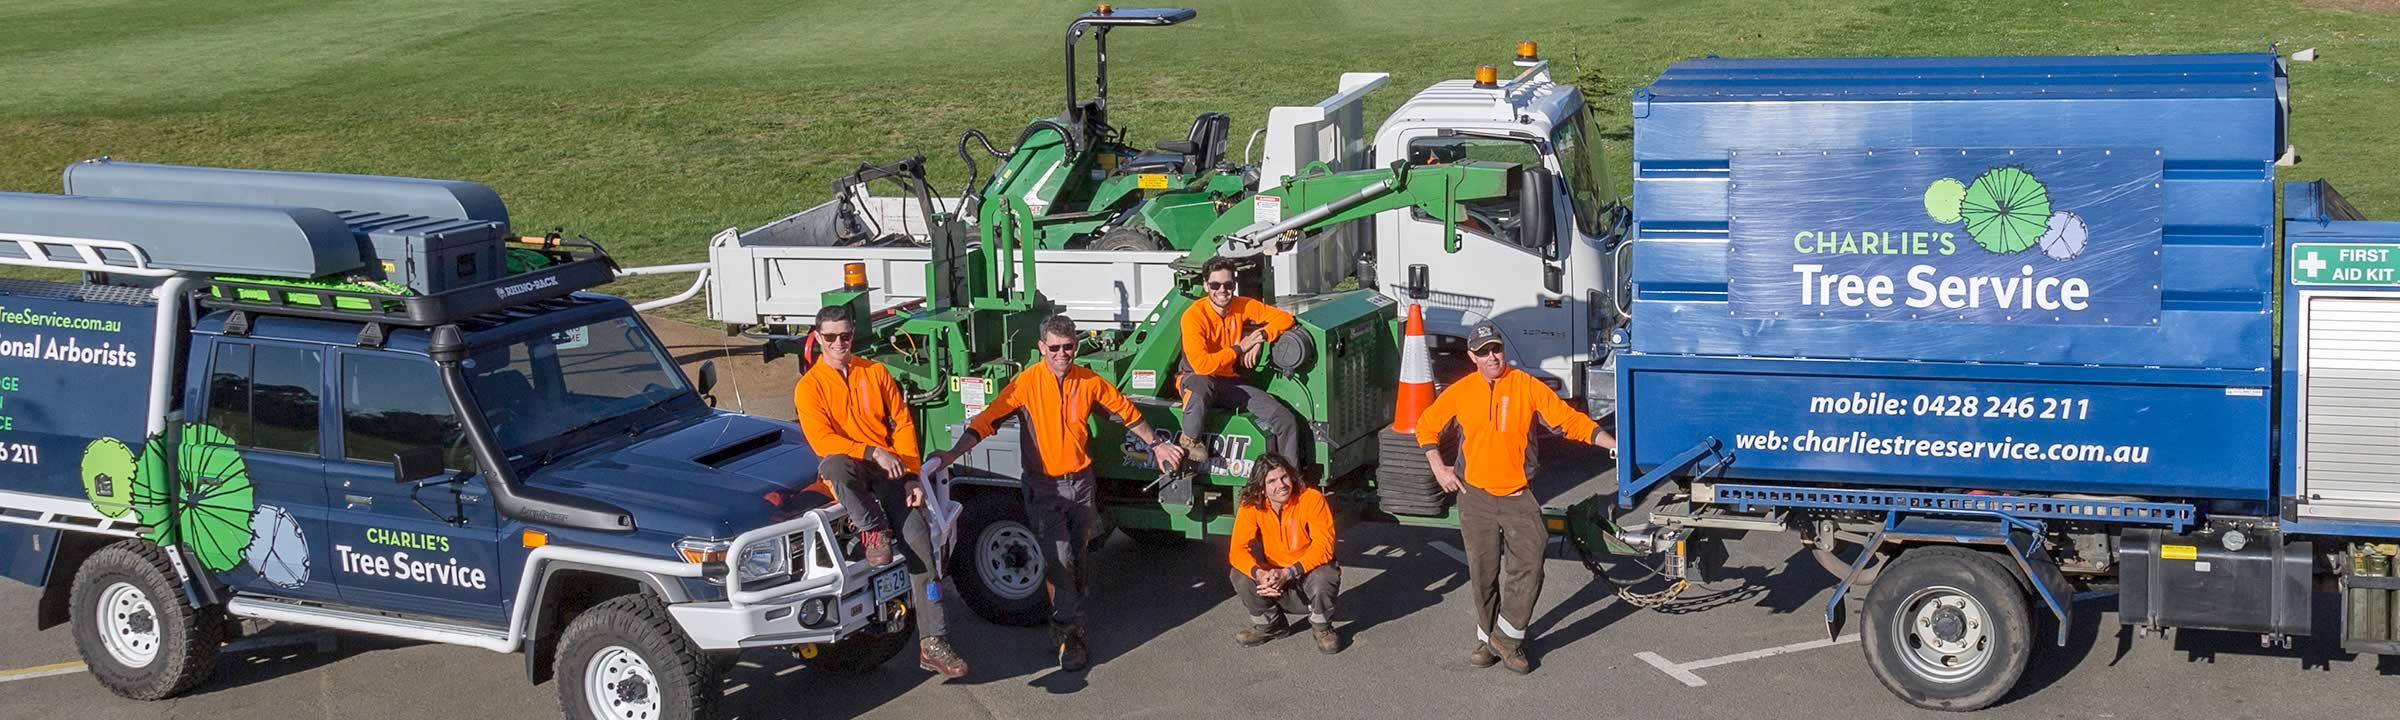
(1257,635)
(879,546)
(1328,641)
(936,655)
(1483,656)
(1072,656)
(1516,661)
(1195,450)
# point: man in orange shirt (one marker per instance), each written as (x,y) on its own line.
(1282,555)
(1053,403)
(1216,348)
(1494,410)
(856,420)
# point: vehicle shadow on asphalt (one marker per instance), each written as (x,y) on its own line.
(289,652)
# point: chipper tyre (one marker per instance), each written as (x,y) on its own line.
(998,569)
(624,659)
(1947,629)
(133,627)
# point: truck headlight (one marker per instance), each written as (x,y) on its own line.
(762,561)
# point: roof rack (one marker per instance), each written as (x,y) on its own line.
(568,266)
(79,254)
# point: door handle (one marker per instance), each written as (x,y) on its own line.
(358,499)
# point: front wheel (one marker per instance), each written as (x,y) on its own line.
(999,569)
(133,628)
(1947,629)
(624,659)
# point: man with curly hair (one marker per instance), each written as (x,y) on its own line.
(1282,555)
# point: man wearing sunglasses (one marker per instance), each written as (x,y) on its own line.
(858,423)
(1053,404)
(1217,346)
(1493,411)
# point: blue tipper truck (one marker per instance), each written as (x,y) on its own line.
(206,429)
(1987,332)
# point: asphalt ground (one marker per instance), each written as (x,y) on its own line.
(1753,646)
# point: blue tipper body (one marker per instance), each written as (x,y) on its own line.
(2031,274)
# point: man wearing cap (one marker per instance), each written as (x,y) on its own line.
(1054,402)
(1494,410)
(1216,347)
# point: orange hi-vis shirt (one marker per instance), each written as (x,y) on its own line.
(1301,535)
(847,415)
(1494,419)
(1058,409)
(1209,337)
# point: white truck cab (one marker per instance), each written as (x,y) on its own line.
(1551,295)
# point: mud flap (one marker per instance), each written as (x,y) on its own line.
(2021,538)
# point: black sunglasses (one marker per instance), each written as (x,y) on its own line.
(1491,349)
(1214,285)
(837,337)
(1060,348)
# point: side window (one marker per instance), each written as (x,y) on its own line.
(1495,218)
(391,404)
(229,392)
(266,396)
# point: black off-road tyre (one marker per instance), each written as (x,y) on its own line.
(137,577)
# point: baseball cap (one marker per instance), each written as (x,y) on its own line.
(1484,333)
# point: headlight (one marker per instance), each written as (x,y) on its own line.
(762,561)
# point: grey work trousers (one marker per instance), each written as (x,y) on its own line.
(1062,513)
(1505,540)
(869,494)
(1314,595)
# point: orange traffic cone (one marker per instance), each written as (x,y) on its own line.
(1416,374)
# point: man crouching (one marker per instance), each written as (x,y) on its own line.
(1282,555)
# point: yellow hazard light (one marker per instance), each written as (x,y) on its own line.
(854,276)
(1525,51)
(536,538)
(1487,76)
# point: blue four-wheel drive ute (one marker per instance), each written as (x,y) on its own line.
(255,411)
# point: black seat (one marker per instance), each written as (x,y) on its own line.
(1200,149)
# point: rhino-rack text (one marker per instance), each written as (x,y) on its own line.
(509,291)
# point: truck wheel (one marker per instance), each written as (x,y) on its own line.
(1000,570)
(1947,629)
(1129,238)
(863,652)
(624,659)
(133,627)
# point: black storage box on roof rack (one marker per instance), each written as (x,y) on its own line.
(570,266)
(428,235)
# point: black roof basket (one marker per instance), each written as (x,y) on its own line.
(573,266)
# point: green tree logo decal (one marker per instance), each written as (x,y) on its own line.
(108,471)
(2008,210)
(204,502)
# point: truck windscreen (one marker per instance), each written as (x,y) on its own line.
(547,386)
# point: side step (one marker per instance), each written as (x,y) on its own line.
(352,621)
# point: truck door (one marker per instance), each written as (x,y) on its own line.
(1498,274)
(262,399)
(400,548)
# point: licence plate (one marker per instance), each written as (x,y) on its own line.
(891,584)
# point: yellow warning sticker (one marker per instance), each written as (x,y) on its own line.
(2179,552)
(1150,181)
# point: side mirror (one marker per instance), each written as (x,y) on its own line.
(708,381)
(1534,205)
(415,464)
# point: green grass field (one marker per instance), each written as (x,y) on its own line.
(652,125)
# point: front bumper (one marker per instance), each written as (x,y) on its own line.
(771,616)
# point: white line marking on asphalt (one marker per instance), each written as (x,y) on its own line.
(42,671)
(1683,671)
(1445,549)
